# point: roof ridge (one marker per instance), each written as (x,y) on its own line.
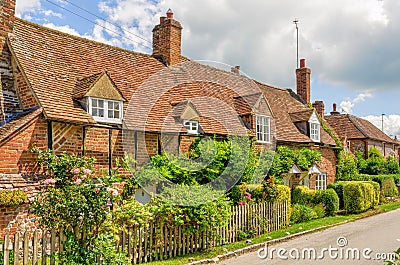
(82,38)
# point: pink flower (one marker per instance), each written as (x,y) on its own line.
(115,193)
(87,171)
(242,203)
(248,195)
(83,177)
(109,203)
(75,171)
(49,181)
(78,181)
(97,190)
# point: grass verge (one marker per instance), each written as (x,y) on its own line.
(293,229)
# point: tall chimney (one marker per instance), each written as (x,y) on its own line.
(303,76)
(334,112)
(10,103)
(167,37)
(319,107)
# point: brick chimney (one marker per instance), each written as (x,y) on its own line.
(319,107)
(335,112)
(303,81)
(8,96)
(167,37)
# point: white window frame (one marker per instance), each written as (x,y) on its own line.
(263,129)
(190,124)
(315,132)
(321,181)
(106,118)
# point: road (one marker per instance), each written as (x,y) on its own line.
(379,233)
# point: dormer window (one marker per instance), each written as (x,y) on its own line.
(263,129)
(191,126)
(315,131)
(105,110)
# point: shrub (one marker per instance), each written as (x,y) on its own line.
(396,178)
(12,198)
(303,195)
(329,199)
(302,213)
(320,210)
(358,196)
(346,167)
(388,186)
(377,190)
(284,193)
(338,187)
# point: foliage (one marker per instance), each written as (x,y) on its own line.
(303,195)
(77,202)
(388,186)
(376,164)
(329,199)
(12,198)
(346,167)
(285,158)
(358,196)
(320,210)
(396,178)
(302,213)
(338,188)
(396,260)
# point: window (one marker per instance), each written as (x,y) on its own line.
(320,183)
(104,110)
(315,132)
(191,126)
(263,129)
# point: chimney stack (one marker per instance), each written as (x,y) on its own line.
(303,76)
(319,107)
(236,69)
(7,13)
(334,112)
(167,37)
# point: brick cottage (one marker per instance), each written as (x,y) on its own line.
(74,95)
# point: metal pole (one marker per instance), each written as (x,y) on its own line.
(295,21)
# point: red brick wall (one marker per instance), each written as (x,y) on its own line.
(16,219)
(67,138)
(26,96)
(96,145)
(15,155)
(7,11)
(328,163)
(185,142)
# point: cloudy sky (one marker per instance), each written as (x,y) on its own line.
(352,47)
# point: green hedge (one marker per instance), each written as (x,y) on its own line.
(329,199)
(358,196)
(338,187)
(12,198)
(302,213)
(303,195)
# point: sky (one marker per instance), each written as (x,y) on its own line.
(352,47)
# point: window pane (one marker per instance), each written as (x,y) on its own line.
(116,114)
(101,103)
(94,103)
(101,113)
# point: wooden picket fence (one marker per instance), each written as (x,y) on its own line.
(155,241)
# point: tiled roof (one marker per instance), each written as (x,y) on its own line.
(18,122)
(84,84)
(53,61)
(244,104)
(284,107)
(352,127)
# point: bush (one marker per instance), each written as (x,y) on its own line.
(346,167)
(329,199)
(320,210)
(338,187)
(358,196)
(303,195)
(388,186)
(396,178)
(302,213)
(12,198)
(377,189)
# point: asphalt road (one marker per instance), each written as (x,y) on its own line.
(372,238)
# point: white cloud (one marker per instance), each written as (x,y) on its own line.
(348,105)
(65,28)
(24,6)
(391,124)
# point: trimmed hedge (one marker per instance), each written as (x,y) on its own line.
(329,199)
(302,213)
(303,195)
(284,193)
(387,182)
(338,187)
(12,198)
(358,196)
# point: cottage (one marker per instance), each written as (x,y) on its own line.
(70,94)
(361,135)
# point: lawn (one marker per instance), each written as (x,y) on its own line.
(315,225)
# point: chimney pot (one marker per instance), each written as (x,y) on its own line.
(302,63)
(170,14)
(235,69)
(334,107)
